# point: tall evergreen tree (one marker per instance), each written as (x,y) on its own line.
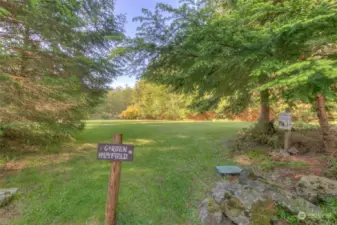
(54,67)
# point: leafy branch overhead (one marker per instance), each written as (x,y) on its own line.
(219,49)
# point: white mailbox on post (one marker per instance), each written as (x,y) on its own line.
(285,121)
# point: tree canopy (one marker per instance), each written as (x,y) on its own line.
(231,49)
(222,48)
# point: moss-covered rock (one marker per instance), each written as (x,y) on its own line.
(311,187)
(238,206)
(211,214)
(234,207)
(213,207)
(263,212)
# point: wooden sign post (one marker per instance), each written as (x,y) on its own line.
(285,123)
(116,153)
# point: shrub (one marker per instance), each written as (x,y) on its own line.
(132,112)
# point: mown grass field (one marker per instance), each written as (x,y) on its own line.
(173,169)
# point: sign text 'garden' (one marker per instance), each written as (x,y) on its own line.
(115,152)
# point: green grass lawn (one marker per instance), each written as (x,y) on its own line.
(173,169)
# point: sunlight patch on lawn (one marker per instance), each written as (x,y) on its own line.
(142,141)
(86,146)
(183,136)
(169,148)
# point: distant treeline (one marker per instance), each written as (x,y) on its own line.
(151,101)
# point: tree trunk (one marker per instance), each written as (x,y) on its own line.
(265,110)
(323,121)
(264,124)
(24,57)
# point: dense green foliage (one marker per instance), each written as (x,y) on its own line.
(54,67)
(115,102)
(156,102)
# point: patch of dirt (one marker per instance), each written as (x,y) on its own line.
(311,140)
(262,153)
(316,164)
(9,213)
(287,176)
(243,160)
(307,141)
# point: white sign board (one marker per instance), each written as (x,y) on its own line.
(284,121)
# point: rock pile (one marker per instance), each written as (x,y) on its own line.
(252,200)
